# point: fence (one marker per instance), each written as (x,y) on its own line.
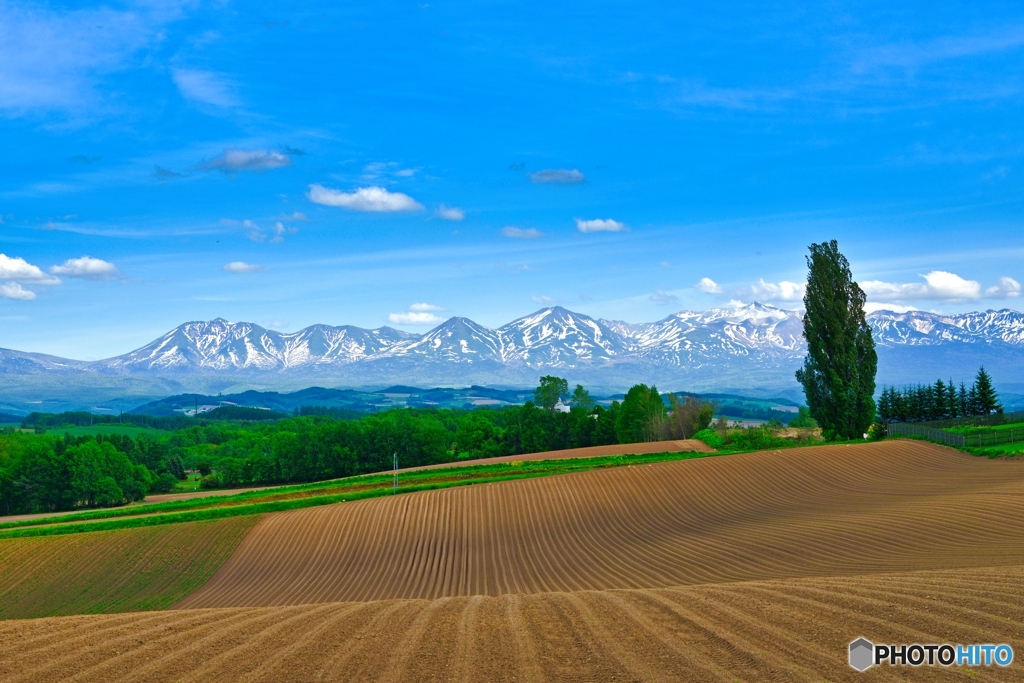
(980,440)
(906,429)
(993,420)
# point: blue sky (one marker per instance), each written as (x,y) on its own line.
(401,162)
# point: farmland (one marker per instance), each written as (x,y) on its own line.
(826,510)
(750,566)
(786,630)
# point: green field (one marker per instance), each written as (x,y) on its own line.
(124,570)
(985,430)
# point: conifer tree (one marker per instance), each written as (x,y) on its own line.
(985,395)
(838,375)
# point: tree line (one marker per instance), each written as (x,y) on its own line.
(939,401)
(44,471)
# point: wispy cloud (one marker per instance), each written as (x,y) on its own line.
(773,291)
(418,314)
(241,267)
(450,213)
(373,199)
(911,56)
(53,59)
(544,300)
(87,268)
(521,233)
(557,176)
(234,160)
(205,87)
(600,225)
(12,290)
(423,307)
(1007,288)
(253,231)
(663,298)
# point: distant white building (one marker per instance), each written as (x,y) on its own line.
(561,407)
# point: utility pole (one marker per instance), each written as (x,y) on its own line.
(394,490)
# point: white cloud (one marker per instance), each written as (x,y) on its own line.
(872,306)
(938,284)
(375,199)
(450,213)
(20,270)
(663,298)
(600,225)
(708,286)
(204,86)
(414,318)
(1007,287)
(544,300)
(240,267)
(773,291)
(87,268)
(558,176)
(12,290)
(520,233)
(234,160)
(425,308)
(297,216)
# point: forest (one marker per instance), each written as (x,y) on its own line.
(939,401)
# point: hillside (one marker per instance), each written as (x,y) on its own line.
(815,511)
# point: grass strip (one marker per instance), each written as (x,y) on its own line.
(216,509)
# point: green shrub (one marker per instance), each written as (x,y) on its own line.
(210,481)
(163,484)
(711,438)
(756,439)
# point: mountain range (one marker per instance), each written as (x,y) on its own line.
(755,347)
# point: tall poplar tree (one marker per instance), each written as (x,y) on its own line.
(838,375)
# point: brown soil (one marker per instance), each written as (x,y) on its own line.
(818,511)
(782,630)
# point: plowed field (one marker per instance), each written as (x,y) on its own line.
(784,630)
(113,571)
(821,511)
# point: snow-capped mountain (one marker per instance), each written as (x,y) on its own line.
(222,345)
(754,346)
(557,337)
(921,328)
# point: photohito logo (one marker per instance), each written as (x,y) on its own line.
(864,654)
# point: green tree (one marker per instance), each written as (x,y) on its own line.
(838,375)
(986,398)
(581,398)
(551,390)
(640,415)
